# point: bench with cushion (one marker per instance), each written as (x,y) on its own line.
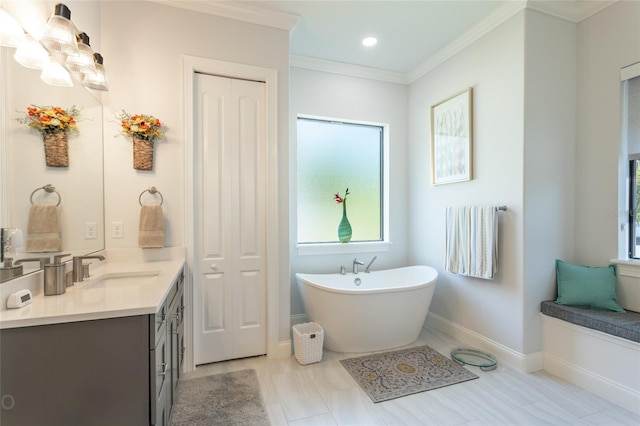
(588,338)
(620,324)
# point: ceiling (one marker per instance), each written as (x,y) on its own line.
(413,35)
(408,32)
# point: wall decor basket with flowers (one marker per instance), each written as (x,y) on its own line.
(144,129)
(55,124)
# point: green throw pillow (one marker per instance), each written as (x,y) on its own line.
(587,286)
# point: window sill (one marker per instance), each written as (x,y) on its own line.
(626,267)
(338,248)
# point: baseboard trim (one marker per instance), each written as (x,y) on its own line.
(521,362)
(594,383)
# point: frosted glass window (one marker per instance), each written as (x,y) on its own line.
(334,156)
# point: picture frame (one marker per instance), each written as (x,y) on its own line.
(452,138)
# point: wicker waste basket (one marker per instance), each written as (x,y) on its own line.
(307,342)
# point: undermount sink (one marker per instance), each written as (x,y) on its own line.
(122,279)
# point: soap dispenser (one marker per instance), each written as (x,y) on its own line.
(54,277)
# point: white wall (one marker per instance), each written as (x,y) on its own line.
(143,44)
(607,42)
(493,66)
(350,98)
(549,161)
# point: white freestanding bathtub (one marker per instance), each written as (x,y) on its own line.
(369,312)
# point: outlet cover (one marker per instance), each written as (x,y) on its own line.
(90,231)
(117,230)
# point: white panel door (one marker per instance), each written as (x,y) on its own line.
(230,277)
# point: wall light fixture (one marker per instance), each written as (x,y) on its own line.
(59,34)
(62,50)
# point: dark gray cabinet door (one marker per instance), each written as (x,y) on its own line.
(79,373)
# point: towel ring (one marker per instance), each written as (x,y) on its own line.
(47,188)
(152,190)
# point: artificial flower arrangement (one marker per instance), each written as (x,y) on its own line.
(344,227)
(141,126)
(51,119)
(340,199)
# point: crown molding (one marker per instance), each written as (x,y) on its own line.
(237,11)
(496,18)
(347,69)
(570,10)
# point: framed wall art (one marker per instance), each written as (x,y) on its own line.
(451,139)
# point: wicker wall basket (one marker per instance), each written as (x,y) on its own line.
(56,149)
(142,154)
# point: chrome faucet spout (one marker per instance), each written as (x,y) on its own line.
(356,262)
(366,270)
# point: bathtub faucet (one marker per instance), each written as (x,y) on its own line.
(366,271)
(356,262)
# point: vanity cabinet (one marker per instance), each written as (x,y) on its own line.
(114,371)
(167,353)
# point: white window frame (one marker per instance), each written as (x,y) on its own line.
(624,173)
(305,249)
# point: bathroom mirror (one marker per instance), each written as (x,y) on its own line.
(23,169)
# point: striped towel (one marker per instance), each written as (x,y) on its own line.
(472,241)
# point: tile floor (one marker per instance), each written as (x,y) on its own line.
(325,394)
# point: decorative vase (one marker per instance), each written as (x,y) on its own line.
(142,154)
(56,149)
(344,228)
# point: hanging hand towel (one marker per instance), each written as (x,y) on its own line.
(151,227)
(43,229)
(472,241)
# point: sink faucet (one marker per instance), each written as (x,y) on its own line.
(78,274)
(366,271)
(356,262)
(42,260)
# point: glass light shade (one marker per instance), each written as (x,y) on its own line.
(55,74)
(59,34)
(31,54)
(97,80)
(83,62)
(11,33)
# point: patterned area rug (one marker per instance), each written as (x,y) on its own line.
(390,375)
(222,399)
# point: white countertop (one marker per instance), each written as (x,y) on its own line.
(90,301)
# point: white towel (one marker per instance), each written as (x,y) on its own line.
(472,241)
(151,227)
(43,229)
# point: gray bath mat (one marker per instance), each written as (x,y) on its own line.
(222,399)
(389,375)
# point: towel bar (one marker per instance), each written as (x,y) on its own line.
(152,190)
(47,188)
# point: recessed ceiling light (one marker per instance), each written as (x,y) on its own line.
(369,41)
